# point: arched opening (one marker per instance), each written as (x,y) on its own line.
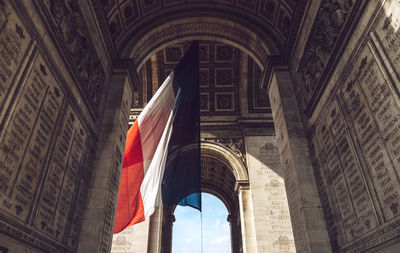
(221,173)
(212,223)
(68,75)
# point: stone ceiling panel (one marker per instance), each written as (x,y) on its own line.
(272,18)
(220,81)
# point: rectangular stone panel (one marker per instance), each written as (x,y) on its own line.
(357,142)
(374,110)
(25,141)
(114,170)
(388,32)
(349,188)
(14,43)
(270,206)
(62,180)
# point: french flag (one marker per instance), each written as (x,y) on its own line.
(169,123)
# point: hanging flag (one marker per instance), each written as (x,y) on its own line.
(174,104)
(182,177)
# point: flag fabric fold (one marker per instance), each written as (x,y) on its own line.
(159,127)
(181,182)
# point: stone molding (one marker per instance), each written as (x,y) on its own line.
(236,145)
(229,157)
(197,28)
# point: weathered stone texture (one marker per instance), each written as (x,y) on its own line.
(271,211)
(355,145)
(308,225)
(98,223)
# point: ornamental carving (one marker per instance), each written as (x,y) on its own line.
(236,145)
(283,241)
(74,34)
(328,24)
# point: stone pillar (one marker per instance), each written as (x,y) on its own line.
(155,231)
(271,212)
(167,229)
(235,233)
(305,208)
(247,217)
(98,221)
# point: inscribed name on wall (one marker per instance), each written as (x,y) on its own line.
(25,140)
(61,183)
(276,205)
(42,145)
(44,157)
(388,34)
(357,140)
(14,42)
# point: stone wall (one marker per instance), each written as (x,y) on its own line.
(270,207)
(49,122)
(132,239)
(354,134)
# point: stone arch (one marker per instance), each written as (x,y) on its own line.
(218,150)
(199,28)
(224,154)
(222,171)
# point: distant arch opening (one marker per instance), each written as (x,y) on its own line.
(220,173)
(212,223)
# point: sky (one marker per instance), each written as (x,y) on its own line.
(187,228)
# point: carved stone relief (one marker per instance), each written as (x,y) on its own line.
(355,150)
(276,15)
(327,27)
(74,36)
(236,145)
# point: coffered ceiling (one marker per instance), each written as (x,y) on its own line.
(226,76)
(269,18)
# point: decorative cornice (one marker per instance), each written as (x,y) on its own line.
(101,18)
(242,185)
(272,62)
(128,66)
(294,30)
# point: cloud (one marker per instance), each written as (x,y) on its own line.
(216,230)
(220,240)
(217,224)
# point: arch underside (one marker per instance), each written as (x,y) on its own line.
(261,28)
(198,29)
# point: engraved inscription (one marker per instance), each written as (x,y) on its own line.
(14,41)
(26,140)
(388,31)
(60,186)
(346,175)
(332,166)
(276,205)
(111,201)
(77,215)
(375,114)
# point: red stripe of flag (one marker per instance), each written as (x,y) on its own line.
(130,205)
